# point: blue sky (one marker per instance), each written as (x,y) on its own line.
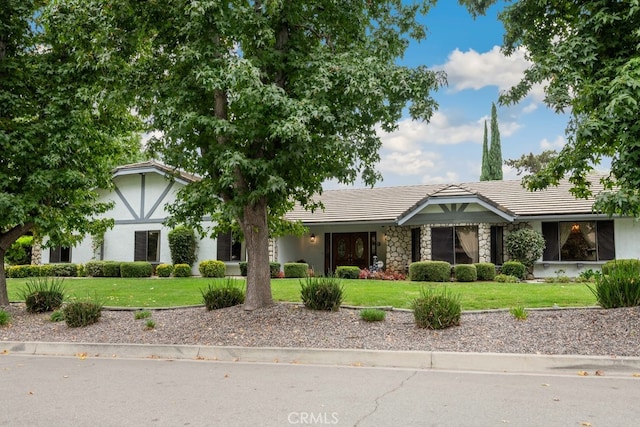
(448,149)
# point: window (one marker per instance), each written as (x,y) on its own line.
(497,245)
(59,254)
(147,246)
(578,241)
(456,245)
(228,248)
(415,244)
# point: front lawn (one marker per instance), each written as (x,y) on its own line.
(163,292)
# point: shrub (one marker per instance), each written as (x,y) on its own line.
(22,271)
(103,268)
(81,313)
(465,272)
(223,293)
(274,268)
(486,270)
(181,270)
(57,316)
(519,312)
(619,288)
(5,317)
(321,293)
(525,245)
(505,278)
(42,294)
(183,245)
(609,266)
(142,314)
(295,269)
(436,310)
(372,315)
(381,275)
(19,253)
(164,270)
(62,270)
(348,272)
(430,271)
(80,270)
(514,268)
(212,268)
(150,324)
(136,269)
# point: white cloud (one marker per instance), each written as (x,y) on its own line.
(407,163)
(556,144)
(473,70)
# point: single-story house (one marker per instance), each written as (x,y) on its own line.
(458,223)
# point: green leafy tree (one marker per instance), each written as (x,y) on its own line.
(525,245)
(60,130)
(183,245)
(495,150)
(585,53)
(532,163)
(266,100)
(484,174)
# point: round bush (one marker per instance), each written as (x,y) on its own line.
(181,270)
(525,245)
(465,272)
(164,270)
(81,313)
(64,270)
(295,269)
(348,272)
(486,270)
(514,268)
(609,266)
(212,268)
(430,271)
(111,269)
(183,245)
(436,310)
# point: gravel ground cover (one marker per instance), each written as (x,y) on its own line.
(586,331)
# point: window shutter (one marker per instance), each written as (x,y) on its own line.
(54,254)
(140,246)
(224,246)
(552,247)
(606,242)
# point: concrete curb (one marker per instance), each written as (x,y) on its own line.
(450,361)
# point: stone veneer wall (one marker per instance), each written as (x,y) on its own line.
(398,248)
(273,250)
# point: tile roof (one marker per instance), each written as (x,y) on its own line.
(388,204)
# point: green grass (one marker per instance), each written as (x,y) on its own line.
(171,292)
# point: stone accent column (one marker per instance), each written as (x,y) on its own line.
(273,250)
(36,252)
(425,243)
(398,248)
(484,242)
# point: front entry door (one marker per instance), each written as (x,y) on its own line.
(350,249)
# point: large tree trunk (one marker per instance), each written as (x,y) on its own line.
(6,240)
(256,235)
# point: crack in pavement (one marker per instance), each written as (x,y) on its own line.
(383,395)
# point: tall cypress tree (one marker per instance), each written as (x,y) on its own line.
(495,152)
(485,173)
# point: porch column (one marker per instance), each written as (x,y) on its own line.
(425,242)
(398,248)
(484,242)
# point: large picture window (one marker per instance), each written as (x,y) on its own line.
(578,241)
(456,245)
(147,246)
(228,248)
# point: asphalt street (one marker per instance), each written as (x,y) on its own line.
(81,390)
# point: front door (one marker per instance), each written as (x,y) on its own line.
(350,249)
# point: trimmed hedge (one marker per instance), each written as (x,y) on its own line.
(295,269)
(64,270)
(430,271)
(103,268)
(485,270)
(515,269)
(136,269)
(348,272)
(44,270)
(274,268)
(465,272)
(182,270)
(212,268)
(164,270)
